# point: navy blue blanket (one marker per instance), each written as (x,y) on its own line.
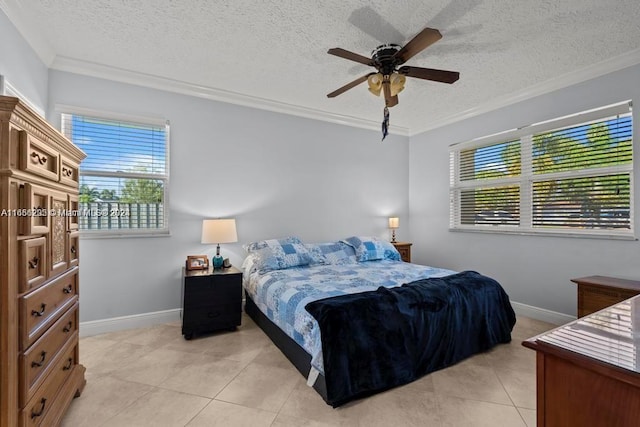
(376,340)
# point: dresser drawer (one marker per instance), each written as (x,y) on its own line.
(40,308)
(38,158)
(74,209)
(45,399)
(68,172)
(36,362)
(34,205)
(32,264)
(73,248)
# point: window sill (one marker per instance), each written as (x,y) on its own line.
(90,235)
(545,233)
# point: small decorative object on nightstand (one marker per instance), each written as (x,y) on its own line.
(405,250)
(211,300)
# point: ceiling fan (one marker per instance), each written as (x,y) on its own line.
(387,59)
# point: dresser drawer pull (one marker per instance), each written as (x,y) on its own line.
(67,171)
(41,362)
(72,250)
(39,313)
(33,262)
(34,414)
(67,328)
(67,289)
(68,365)
(40,159)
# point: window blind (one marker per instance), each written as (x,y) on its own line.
(571,175)
(124,179)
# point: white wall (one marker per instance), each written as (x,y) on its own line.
(276,174)
(534,270)
(20,66)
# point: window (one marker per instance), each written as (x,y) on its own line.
(572,175)
(124,179)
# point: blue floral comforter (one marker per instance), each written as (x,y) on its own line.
(283,294)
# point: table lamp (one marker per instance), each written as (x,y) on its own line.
(218,231)
(394,223)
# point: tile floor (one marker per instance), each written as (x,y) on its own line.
(153,377)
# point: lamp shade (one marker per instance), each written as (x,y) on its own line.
(219,231)
(394,223)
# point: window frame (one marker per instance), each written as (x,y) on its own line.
(165,178)
(526,179)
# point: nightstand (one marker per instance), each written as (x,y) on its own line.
(405,250)
(211,300)
(598,292)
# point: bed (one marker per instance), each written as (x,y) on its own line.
(356,320)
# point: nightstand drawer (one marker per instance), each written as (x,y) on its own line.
(206,292)
(212,317)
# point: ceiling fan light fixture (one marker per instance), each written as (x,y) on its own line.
(397,82)
(375,83)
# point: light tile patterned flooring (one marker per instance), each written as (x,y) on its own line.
(153,377)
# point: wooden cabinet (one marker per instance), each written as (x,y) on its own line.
(587,372)
(598,292)
(405,250)
(39,289)
(211,300)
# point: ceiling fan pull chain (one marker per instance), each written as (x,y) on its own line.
(385,123)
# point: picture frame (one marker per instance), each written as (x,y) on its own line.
(197,262)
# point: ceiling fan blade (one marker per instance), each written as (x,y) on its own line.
(350,55)
(389,100)
(423,40)
(441,76)
(348,86)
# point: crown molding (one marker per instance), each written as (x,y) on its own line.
(39,44)
(170,85)
(598,69)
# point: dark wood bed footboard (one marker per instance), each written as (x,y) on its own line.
(291,349)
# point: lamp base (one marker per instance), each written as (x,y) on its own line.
(393,236)
(217,261)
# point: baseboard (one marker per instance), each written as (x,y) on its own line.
(144,320)
(541,314)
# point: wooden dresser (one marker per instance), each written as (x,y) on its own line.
(598,292)
(588,372)
(39,265)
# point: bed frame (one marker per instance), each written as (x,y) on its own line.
(291,349)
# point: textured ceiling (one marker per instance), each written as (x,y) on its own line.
(276,50)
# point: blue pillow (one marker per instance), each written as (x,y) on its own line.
(272,243)
(317,257)
(368,248)
(338,253)
(280,257)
